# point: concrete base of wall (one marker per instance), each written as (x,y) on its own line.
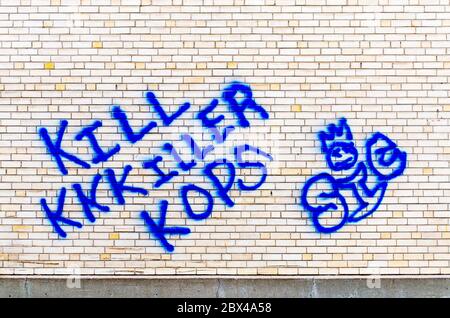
(224,287)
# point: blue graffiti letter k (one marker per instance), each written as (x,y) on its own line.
(56,217)
(159,230)
(119,187)
(55,148)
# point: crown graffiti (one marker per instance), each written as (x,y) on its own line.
(335,133)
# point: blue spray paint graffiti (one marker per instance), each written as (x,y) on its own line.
(384,162)
(239,106)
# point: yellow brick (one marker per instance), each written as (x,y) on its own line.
(21,228)
(56,2)
(307,257)
(2,87)
(60,87)
(232,65)
(18,65)
(385,235)
(3,257)
(48,24)
(296,108)
(385,23)
(105,257)
(49,66)
(275,87)
(398,214)
(114,236)
(428,171)
(447,107)
(109,24)
(91,87)
(201,66)
(265,236)
(97,45)
(139,65)
(171,66)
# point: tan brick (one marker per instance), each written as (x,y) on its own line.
(22,228)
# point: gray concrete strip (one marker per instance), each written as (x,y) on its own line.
(224,287)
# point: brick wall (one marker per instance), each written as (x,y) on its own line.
(383,65)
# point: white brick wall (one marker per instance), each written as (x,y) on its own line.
(382,64)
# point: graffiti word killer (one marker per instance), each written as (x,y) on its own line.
(237,96)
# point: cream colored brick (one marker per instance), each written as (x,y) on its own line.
(308,68)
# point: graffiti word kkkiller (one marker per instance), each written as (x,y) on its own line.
(237,97)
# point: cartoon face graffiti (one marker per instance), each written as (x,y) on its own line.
(338,146)
(364,184)
(342,156)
